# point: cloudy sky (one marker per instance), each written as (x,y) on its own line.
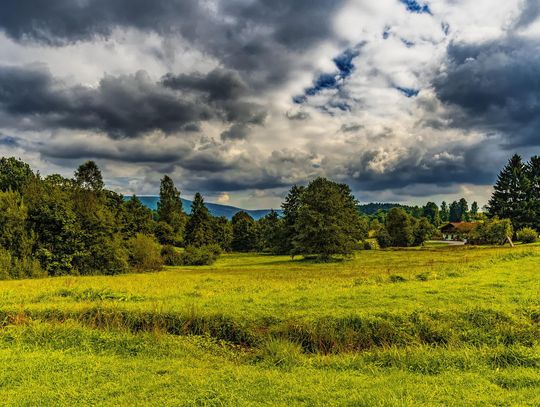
(404,100)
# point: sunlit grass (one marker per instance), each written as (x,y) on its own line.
(435,326)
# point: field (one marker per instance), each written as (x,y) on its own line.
(430,326)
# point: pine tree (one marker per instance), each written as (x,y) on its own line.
(290,215)
(455,212)
(199,226)
(170,210)
(474,210)
(533,174)
(511,193)
(464,210)
(327,220)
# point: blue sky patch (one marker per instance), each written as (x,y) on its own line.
(409,92)
(345,66)
(414,6)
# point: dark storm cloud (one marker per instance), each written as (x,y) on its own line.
(460,165)
(130,154)
(121,106)
(496,87)
(219,84)
(223,90)
(258,38)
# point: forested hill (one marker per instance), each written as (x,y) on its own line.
(215,209)
(229,211)
(372,208)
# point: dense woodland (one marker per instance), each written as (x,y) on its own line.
(57,226)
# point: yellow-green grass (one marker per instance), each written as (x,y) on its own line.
(430,326)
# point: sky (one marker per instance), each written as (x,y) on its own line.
(404,100)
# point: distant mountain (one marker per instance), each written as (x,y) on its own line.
(215,209)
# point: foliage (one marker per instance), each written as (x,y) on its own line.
(222,232)
(245,233)
(200,255)
(513,196)
(290,215)
(493,231)
(527,235)
(199,225)
(423,230)
(171,256)
(88,176)
(145,253)
(444,212)
(14,174)
(270,229)
(170,210)
(327,221)
(431,212)
(138,219)
(399,228)
(165,233)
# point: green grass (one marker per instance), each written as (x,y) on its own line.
(430,326)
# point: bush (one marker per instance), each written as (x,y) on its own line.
(144,253)
(200,256)
(171,256)
(494,231)
(527,235)
(383,238)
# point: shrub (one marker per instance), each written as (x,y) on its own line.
(145,253)
(200,256)
(527,235)
(494,231)
(171,256)
(383,238)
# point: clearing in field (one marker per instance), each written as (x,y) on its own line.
(430,326)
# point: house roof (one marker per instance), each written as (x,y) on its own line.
(459,227)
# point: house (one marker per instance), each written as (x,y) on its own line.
(457,230)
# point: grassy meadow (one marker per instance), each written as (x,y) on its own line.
(430,326)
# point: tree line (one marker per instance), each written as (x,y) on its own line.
(56,226)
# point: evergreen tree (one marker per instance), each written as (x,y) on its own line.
(327,220)
(88,176)
(222,232)
(137,218)
(431,212)
(199,226)
(290,214)
(170,210)
(270,233)
(474,211)
(455,212)
(244,232)
(444,212)
(510,199)
(464,210)
(533,174)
